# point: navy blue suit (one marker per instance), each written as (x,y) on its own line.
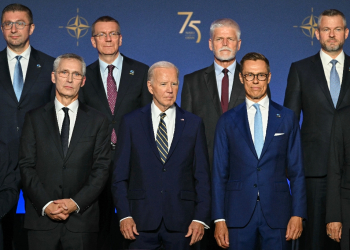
(176,192)
(238,174)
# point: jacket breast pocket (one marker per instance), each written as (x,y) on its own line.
(234,185)
(136,194)
(281,186)
(87,138)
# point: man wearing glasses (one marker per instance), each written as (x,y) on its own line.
(257,147)
(64,164)
(115,85)
(25,82)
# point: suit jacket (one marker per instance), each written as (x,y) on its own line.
(37,91)
(238,174)
(47,175)
(200,96)
(178,191)
(307,91)
(132,92)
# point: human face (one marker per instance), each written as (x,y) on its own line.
(332,34)
(107,47)
(224,45)
(16,39)
(67,89)
(255,90)
(164,87)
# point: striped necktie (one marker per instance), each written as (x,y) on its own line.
(162,139)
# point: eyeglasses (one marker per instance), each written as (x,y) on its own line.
(18,24)
(65,74)
(251,77)
(104,35)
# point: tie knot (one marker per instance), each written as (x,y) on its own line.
(110,68)
(256,105)
(334,62)
(65,110)
(162,115)
(225,71)
(18,57)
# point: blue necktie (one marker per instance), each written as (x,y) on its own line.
(258,131)
(334,83)
(18,78)
(162,138)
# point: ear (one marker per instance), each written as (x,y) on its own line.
(241,77)
(239,45)
(346,33)
(83,82)
(317,34)
(210,44)
(269,78)
(53,78)
(31,28)
(93,42)
(149,86)
(120,40)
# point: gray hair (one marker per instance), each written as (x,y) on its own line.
(225,22)
(161,64)
(57,61)
(331,12)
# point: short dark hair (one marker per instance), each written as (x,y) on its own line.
(18,7)
(331,12)
(254,56)
(103,19)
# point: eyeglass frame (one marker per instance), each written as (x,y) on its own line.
(16,23)
(257,76)
(69,73)
(104,35)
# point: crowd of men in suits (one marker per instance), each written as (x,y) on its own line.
(81,141)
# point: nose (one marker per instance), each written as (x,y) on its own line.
(255,80)
(169,88)
(13,28)
(70,78)
(108,37)
(331,33)
(224,41)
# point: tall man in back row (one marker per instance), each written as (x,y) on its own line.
(115,85)
(317,87)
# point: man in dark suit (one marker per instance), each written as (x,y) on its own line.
(64,164)
(9,183)
(257,147)
(25,83)
(161,183)
(317,87)
(115,85)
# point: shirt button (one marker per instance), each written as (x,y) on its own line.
(255,185)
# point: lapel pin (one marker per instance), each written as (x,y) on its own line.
(349,68)
(278,115)
(131,72)
(182,119)
(38,66)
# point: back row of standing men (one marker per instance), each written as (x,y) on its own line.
(26,84)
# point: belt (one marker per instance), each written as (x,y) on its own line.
(112,146)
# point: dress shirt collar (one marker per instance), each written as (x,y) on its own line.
(170,112)
(118,62)
(264,103)
(326,59)
(72,107)
(218,68)
(12,55)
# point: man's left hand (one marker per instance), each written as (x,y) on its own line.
(196,229)
(294,228)
(68,205)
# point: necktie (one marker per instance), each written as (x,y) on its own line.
(162,139)
(65,131)
(334,83)
(18,78)
(258,131)
(224,91)
(112,96)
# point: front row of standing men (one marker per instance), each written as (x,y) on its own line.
(159,174)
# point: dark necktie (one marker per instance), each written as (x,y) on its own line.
(224,91)
(65,131)
(112,96)
(18,78)
(162,139)
(334,83)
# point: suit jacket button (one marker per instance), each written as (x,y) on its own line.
(255,185)
(19,107)
(60,186)
(164,169)
(258,169)
(64,166)
(162,191)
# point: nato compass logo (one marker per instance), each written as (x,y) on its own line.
(77,27)
(309,25)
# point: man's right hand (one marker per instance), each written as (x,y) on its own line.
(221,234)
(128,228)
(334,230)
(54,211)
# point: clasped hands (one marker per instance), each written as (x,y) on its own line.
(59,210)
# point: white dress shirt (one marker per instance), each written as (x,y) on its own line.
(11,59)
(169,120)
(327,66)
(72,112)
(219,75)
(117,71)
(264,109)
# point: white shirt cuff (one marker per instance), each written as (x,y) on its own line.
(205,225)
(219,220)
(124,219)
(43,210)
(78,208)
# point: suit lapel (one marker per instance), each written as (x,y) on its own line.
(210,80)
(50,118)
(346,80)
(5,75)
(237,89)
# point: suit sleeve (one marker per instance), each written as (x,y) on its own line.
(99,169)
(220,172)
(186,98)
(146,95)
(202,177)
(121,170)
(295,171)
(9,188)
(334,176)
(292,98)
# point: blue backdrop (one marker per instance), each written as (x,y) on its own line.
(178,31)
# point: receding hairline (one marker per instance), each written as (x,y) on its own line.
(104,19)
(331,13)
(225,22)
(161,65)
